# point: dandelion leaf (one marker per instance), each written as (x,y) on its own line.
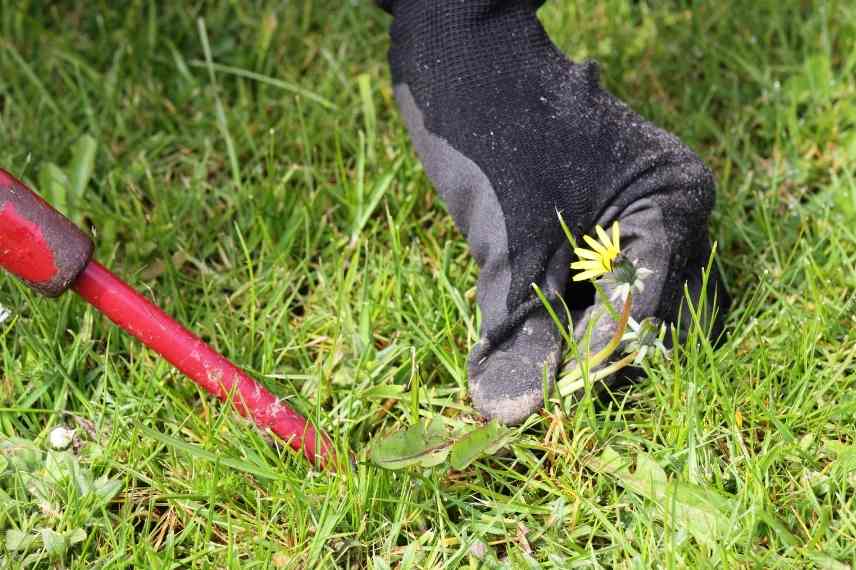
(705,514)
(482,441)
(424,444)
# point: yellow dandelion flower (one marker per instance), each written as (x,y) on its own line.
(598,260)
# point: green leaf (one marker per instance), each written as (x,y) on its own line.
(704,513)
(81,168)
(5,501)
(105,488)
(202,453)
(379,563)
(412,556)
(62,466)
(519,560)
(482,441)
(54,186)
(21,454)
(53,542)
(17,541)
(425,444)
(845,457)
(824,562)
(364,83)
(41,490)
(384,392)
(75,536)
(708,515)
(366,210)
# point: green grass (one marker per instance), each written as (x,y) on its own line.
(263,190)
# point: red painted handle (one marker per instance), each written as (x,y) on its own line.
(37,243)
(199,362)
(51,254)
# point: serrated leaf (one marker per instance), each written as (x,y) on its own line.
(482,441)
(424,444)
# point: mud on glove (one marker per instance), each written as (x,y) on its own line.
(509,130)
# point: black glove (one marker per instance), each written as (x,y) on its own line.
(510,131)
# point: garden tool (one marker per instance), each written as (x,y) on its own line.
(51,255)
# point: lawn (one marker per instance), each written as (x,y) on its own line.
(249,170)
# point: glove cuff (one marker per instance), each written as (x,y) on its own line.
(388,5)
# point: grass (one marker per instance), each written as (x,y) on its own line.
(251,173)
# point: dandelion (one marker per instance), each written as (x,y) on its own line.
(605,263)
(626,277)
(599,259)
(643,338)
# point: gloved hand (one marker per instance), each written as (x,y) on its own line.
(510,131)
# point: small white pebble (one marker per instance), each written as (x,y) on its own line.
(4,314)
(60,437)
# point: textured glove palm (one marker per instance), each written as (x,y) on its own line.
(510,131)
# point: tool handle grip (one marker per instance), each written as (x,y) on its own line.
(38,244)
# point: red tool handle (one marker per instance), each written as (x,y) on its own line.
(37,243)
(51,254)
(198,361)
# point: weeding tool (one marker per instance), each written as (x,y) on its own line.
(50,254)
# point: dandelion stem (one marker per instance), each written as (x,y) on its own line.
(569,388)
(602,354)
(614,367)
